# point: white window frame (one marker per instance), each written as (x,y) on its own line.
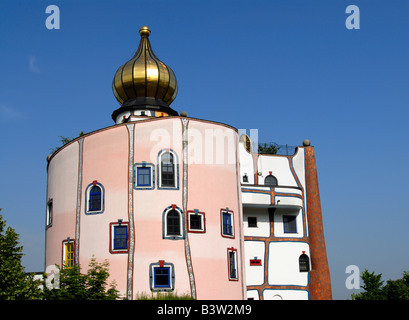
(175,170)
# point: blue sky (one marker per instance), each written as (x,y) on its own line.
(290,69)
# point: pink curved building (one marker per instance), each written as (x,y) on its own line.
(165,200)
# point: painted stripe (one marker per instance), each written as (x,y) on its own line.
(79,193)
(130,211)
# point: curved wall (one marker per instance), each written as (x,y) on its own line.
(206,180)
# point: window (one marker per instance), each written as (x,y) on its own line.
(304,262)
(270,180)
(173,226)
(119,237)
(168,170)
(290,225)
(196,221)
(68,253)
(252,222)
(49,214)
(232,261)
(144,176)
(227,223)
(94,198)
(162,276)
(173,223)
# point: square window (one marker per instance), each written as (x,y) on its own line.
(144,176)
(161,276)
(196,221)
(252,222)
(290,225)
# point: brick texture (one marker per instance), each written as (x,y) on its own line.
(320,282)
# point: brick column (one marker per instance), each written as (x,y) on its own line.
(320,282)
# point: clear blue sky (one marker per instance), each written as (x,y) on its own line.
(290,69)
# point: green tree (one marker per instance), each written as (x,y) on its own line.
(268,148)
(71,284)
(65,140)
(15,284)
(375,290)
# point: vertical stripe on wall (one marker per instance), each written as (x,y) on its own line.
(239,213)
(185,123)
(78,209)
(130,211)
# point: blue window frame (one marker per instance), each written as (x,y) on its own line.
(143,178)
(95,199)
(161,277)
(120,237)
(227,224)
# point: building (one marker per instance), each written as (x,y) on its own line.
(183,204)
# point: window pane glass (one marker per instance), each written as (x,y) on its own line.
(227,227)
(290,225)
(121,237)
(173,223)
(144,176)
(162,277)
(195,221)
(94,203)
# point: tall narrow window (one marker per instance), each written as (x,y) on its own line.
(94,196)
(119,237)
(304,262)
(270,180)
(168,170)
(227,223)
(232,261)
(49,214)
(68,253)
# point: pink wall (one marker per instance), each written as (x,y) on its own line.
(210,187)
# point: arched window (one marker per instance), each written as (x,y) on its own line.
(168,170)
(173,223)
(94,198)
(270,180)
(304,262)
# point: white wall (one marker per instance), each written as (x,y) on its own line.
(283,266)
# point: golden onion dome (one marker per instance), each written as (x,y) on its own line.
(144,82)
